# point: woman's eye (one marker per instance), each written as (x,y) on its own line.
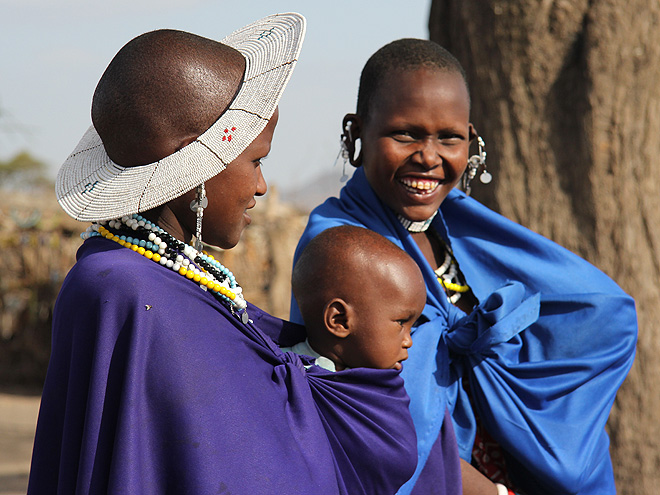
(403,136)
(451,139)
(260,161)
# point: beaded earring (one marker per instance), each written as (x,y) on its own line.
(197,205)
(475,162)
(347,150)
(344,152)
(349,145)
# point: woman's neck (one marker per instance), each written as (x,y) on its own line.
(434,254)
(167,220)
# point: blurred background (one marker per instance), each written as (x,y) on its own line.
(564,92)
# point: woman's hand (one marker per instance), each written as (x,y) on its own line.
(475,483)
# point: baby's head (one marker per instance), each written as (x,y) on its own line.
(413,123)
(359,295)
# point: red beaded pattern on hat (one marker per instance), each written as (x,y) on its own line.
(227,136)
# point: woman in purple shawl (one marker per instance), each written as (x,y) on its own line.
(162,378)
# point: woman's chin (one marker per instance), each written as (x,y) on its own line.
(418,213)
(421,211)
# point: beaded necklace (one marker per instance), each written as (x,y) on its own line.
(415,227)
(448,274)
(149,240)
(451,278)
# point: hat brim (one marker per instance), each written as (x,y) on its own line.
(91,187)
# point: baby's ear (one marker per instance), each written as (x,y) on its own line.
(336,317)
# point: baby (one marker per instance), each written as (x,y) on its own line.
(359,296)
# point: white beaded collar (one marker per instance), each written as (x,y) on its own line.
(415,227)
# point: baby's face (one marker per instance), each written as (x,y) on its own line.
(385,313)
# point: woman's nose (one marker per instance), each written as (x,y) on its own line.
(262,187)
(428,155)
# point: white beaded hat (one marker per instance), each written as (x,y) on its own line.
(91,187)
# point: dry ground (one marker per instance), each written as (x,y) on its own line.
(18,417)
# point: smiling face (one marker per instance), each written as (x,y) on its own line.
(384,311)
(415,140)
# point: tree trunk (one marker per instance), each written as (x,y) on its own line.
(566,94)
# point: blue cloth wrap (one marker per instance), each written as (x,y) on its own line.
(544,352)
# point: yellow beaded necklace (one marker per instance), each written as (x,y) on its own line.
(448,274)
(198,275)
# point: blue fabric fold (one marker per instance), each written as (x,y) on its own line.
(496,320)
(544,353)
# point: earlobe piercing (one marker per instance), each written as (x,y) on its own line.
(345,140)
(475,162)
(197,205)
(348,147)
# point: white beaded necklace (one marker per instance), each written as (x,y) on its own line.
(163,248)
(416,227)
(447,274)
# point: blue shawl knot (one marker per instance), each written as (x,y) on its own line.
(544,353)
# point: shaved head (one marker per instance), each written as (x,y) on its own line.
(161,91)
(342,262)
(359,295)
(404,55)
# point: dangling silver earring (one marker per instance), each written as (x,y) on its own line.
(475,162)
(197,205)
(344,152)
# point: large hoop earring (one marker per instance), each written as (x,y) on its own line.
(476,162)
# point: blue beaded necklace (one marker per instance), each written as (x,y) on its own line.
(151,241)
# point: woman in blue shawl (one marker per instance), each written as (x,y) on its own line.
(522,343)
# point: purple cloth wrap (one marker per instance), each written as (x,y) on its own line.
(155,387)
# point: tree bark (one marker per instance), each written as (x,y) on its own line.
(566,94)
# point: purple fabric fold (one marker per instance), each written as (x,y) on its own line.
(156,387)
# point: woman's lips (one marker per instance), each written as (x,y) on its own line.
(246,213)
(246,216)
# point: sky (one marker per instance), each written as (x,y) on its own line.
(53,53)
